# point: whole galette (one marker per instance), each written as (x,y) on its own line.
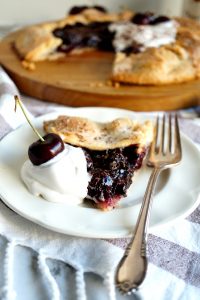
(149,49)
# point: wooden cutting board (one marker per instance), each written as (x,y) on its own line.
(82,80)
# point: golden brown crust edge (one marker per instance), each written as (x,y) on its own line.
(164,65)
(35,43)
(86,133)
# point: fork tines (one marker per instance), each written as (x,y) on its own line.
(167,131)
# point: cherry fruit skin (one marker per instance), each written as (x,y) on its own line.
(41,151)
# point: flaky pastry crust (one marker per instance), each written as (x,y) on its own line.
(164,65)
(86,133)
(36,43)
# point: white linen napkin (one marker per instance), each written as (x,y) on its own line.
(174,252)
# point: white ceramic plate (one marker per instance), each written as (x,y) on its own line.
(176,195)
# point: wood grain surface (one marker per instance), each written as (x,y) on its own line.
(83,80)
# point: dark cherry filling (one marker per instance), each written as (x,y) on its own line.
(112,172)
(94,35)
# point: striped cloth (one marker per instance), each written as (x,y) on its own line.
(174,251)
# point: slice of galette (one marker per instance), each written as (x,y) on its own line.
(113,150)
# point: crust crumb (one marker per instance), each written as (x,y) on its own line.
(28,65)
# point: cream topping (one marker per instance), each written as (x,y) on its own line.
(127,33)
(63,179)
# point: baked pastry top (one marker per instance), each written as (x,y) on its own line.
(149,49)
(93,135)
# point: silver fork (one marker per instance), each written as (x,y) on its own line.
(132,268)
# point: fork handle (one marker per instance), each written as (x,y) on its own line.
(132,268)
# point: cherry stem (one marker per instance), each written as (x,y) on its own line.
(19,102)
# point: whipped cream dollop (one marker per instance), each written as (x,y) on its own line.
(127,33)
(63,178)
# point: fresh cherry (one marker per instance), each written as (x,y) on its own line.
(41,151)
(143,18)
(46,147)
